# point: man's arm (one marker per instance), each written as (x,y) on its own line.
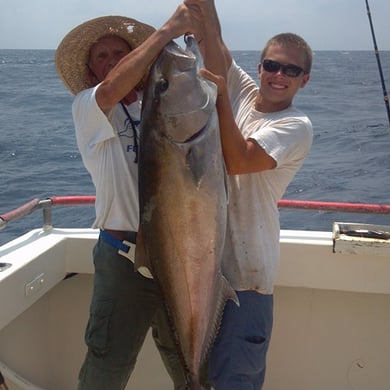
(216,55)
(241,155)
(130,69)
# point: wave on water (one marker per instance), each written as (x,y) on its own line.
(349,160)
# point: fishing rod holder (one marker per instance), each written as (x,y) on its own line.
(357,238)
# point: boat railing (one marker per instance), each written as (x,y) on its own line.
(46,206)
(79,200)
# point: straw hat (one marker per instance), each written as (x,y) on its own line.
(73,52)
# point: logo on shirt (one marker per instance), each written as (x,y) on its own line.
(130,131)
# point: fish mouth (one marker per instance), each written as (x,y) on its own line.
(192,137)
(204,104)
(195,135)
(189,126)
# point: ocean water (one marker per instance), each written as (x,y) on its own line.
(349,160)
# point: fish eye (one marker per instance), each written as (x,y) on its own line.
(163,85)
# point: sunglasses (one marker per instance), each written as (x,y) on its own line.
(289,70)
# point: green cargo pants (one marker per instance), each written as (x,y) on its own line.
(124,306)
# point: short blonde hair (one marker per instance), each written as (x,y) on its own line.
(291,40)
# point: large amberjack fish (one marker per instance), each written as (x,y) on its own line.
(183,200)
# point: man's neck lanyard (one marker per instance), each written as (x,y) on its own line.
(128,116)
(134,132)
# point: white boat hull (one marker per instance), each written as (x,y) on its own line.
(331,328)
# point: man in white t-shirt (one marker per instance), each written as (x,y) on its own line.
(264,140)
(103,62)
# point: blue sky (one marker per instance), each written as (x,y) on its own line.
(247,24)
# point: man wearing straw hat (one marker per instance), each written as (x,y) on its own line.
(103,62)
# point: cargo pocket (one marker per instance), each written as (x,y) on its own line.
(97,333)
(252,352)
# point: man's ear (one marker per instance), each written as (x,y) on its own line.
(305,80)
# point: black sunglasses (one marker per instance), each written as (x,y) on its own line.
(289,70)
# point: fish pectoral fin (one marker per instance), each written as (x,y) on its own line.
(142,263)
(226,182)
(195,161)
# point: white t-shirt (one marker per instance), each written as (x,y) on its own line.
(251,256)
(106,144)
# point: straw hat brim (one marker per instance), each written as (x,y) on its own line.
(72,53)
